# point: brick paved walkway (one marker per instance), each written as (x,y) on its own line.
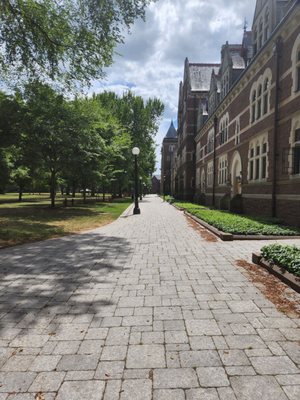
(141,309)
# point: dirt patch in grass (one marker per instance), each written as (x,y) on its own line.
(204,233)
(272,288)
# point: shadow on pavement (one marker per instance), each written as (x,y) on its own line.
(72,275)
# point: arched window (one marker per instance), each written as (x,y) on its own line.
(237,131)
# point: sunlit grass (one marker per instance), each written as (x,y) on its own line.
(31,221)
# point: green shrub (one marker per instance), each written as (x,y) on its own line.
(237,224)
(287,257)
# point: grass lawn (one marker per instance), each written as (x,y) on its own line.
(35,220)
(239,224)
(287,257)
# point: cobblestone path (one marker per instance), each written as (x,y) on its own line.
(141,309)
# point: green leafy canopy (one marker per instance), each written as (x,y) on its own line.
(69,41)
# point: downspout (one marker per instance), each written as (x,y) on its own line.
(214,160)
(277,55)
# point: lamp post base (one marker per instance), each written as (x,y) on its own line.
(136,210)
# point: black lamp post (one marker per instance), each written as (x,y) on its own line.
(136,210)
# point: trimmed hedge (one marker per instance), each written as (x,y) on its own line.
(287,257)
(237,224)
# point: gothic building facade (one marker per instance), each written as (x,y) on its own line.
(241,135)
(168,159)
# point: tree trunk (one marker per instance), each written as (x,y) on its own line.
(52,188)
(20,194)
(103,193)
(73,189)
(84,195)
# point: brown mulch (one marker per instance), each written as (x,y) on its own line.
(272,288)
(204,233)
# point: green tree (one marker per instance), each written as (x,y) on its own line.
(50,128)
(70,40)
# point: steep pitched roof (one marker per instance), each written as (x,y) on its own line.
(172,133)
(200,75)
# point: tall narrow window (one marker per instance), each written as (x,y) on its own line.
(237,131)
(257,161)
(264,161)
(260,34)
(266,28)
(296,153)
(253,106)
(266,96)
(259,94)
(251,164)
(298,71)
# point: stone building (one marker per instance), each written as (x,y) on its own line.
(248,146)
(168,159)
(193,96)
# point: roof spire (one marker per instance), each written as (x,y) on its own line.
(172,133)
(245,24)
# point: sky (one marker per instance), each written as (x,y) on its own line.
(151,60)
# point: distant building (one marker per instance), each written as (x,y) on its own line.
(168,158)
(155,184)
(193,96)
(245,149)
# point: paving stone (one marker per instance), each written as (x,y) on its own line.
(199,394)
(29,341)
(245,342)
(176,337)
(202,343)
(293,392)
(79,375)
(67,347)
(138,373)
(167,313)
(70,332)
(226,393)
(233,357)
(169,394)
(78,362)
(146,356)
(273,365)
(240,370)
(112,390)
(110,370)
(117,336)
(201,358)
(257,387)
(79,390)
(287,380)
(47,382)
(15,381)
(137,321)
(181,378)
(131,302)
(114,353)
(200,327)
(212,377)
(96,333)
(91,347)
(44,363)
(18,363)
(243,306)
(136,389)
(152,338)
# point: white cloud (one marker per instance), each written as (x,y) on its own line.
(151,60)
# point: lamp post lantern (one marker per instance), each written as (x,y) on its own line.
(136,210)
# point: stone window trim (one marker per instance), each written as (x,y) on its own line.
(258,159)
(261,30)
(260,96)
(295,58)
(222,170)
(210,141)
(224,129)
(294,156)
(210,174)
(237,138)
